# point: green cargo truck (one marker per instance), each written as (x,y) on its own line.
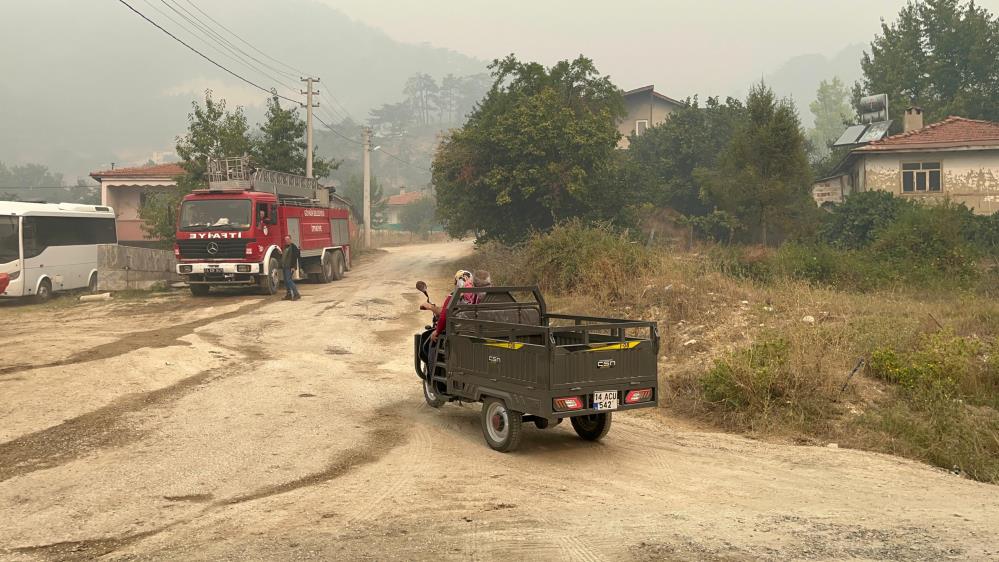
(527,365)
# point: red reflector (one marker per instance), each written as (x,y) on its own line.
(568,403)
(636,396)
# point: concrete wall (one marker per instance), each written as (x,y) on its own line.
(128,267)
(967,176)
(831,190)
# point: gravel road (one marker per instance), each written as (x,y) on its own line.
(238,427)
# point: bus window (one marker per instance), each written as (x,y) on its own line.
(32,244)
(8,239)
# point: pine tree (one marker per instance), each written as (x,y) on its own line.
(763,176)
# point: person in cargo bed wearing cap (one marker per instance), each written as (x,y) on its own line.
(462,278)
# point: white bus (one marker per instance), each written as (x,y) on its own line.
(51,247)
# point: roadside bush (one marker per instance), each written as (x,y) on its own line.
(860,218)
(573,255)
(769,383)
(948,407)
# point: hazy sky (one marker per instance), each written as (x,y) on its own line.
(685,47)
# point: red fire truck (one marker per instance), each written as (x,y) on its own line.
(232,232)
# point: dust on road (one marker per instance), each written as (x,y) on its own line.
(243,427)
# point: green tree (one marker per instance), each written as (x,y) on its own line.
(35,182)
(212,131)
(667,155)
(942,54)
(832,112)
(532,153)
(353,191)
(419,217)
(280,143)
(763,178)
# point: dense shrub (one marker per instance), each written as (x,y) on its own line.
(948,412)
(860,218)
(769,382)
(573,255)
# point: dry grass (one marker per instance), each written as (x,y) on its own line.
(771,359)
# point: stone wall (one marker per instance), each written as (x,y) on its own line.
(129,267)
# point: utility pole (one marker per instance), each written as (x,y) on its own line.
(367,186)
(308,123)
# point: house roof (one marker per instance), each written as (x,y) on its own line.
(655,94)
(405,198)
(952,132)
(170,170)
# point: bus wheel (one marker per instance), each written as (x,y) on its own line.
(92,285)
(338,266)
(269,282)
(199,290)
(44,292)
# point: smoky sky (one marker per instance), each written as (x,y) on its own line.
(684,47)
(87,83)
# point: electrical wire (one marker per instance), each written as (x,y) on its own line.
(204,56)
(236,51)
(213,43)
(336,132)
(247,43)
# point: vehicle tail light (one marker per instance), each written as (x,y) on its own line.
(568,403)
(637,396)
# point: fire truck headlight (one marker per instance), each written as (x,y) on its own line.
(186,269)
(243,268)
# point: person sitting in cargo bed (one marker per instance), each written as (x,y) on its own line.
(461,277)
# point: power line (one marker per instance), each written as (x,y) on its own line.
(394,157)
(231,32)
(204,56)
(210,42)
(336,132)
(235,50)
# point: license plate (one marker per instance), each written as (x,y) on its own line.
(213,270)
(605,400)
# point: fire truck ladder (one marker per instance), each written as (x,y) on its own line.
(238,174)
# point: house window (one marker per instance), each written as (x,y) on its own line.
(921,177)
(640,126)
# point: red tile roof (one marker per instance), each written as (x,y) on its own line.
(170,170)
(952,132)
(405,198)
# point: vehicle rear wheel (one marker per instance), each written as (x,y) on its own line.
(430,394)
(269,283)
(500,426)
(592,427)
(338,266)
(199,290)
(92,284)
(326,275)
(44,292)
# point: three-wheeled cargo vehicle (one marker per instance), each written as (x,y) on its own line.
(527,365)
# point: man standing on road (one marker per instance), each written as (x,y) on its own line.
(289,262)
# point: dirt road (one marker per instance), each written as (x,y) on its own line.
(239,427)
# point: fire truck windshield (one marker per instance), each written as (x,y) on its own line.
(215,214)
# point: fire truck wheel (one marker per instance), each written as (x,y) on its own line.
(326,275)
(200,290)
(338,266)
(269,282)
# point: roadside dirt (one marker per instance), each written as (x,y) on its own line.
(243,427)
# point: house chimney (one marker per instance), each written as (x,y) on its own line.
(913,119)
(402,190)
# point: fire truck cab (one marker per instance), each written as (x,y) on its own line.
(232,233)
